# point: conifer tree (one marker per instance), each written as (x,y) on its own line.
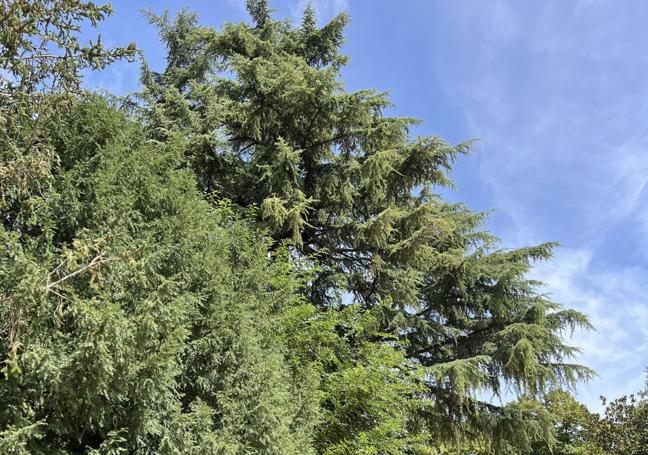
(141,319)
(138,318)
(267,124)
(143,312)
(42,57)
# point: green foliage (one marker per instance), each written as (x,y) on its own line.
(41,60)
(369,397)
(266,123)
(254,262)
(143,319)
(40,47)
(572,422)
(622,428)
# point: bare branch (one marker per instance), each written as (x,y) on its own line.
(94,263)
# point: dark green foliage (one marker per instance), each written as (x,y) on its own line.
(623,427)
(41,59)
(259,11)
(267,124)
(255,262)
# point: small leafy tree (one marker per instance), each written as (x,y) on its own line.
(573,427)
(623,427)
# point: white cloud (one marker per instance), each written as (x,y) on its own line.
(558,95)
(614,300)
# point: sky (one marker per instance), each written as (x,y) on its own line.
(556,92)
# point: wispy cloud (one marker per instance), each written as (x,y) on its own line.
(615,302)
(558,94)
(120,78)
(559,104)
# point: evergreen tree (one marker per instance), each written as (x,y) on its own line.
(141,319)
(145,310)
(144,320)
(267,124)
(137,317)
(41,60)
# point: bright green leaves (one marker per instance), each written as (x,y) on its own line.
(367,405)
(379,231)
(621,429)
(40,45)
(15,440)
(288,207)
(288,214)
(377,170)
(282,175)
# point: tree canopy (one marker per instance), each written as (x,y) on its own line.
(248,258)
(269,125)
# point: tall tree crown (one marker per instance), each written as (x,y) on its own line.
(253,260)
(259,11)
(269,125)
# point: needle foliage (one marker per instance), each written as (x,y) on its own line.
(268,124)
(249,259)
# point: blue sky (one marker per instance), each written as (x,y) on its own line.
(557,93)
